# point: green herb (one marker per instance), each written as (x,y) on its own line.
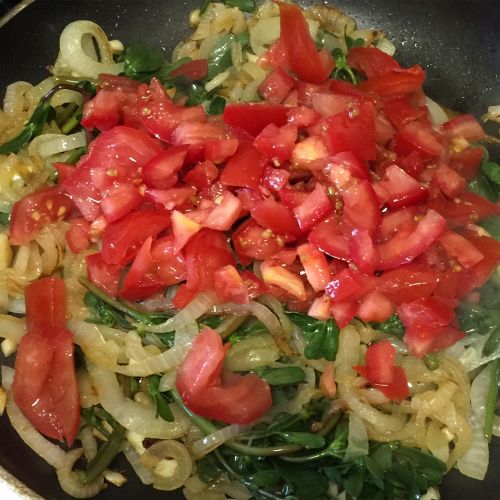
(194,92)
(35,124)
(322,336)
(354,42)
(492,171)
(75,155)
(282,376)
(481,186)
(108,450)
(220,57)
(431,360)
(391,326)
(491,400)
(342,70)
(141,61)
(492,225)
(216,106)
(162,407)
(4,218)
(104,314)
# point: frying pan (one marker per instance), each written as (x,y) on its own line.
(456,41)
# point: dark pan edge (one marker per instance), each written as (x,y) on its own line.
(14,11)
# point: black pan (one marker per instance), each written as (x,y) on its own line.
(456,41)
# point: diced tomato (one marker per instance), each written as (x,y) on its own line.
(64,170)
(285,257)
(78,235)
(103,112)
(415,137)
(302,116)
(227,397)
(466,126)
(202,175)
(276,86)
(244,169)
(119,201)
(375,307)
(370,61)
(315,265)
(206,251)
(220,150)
(276,144)
(467,162)
(103,274)
(257,242)
(362,251)
(393,221)
(122,239)
(399,189)
(229,285)
(255,285)
(303,57)
(278,218)
(412,163)
(226,212)
(184,296)
(159,172)
(283,278)
(313,209)
(192,70)
(328,237)
(308,150)
(343,312)
(254,117)
(275,57)
(420,344)
(343,286)
(30,214)
(170,265)
(328,103)
(44,386)
(395,83)
(402,249)
(171,198)
(448,181)
(353,130)
(407,283)
(469,208)
(427,315)
(183,228)
(384,131)
(461,249)
(275,178)
(320,308)
(400,112)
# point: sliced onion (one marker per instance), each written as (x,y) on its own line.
(12,328)
(357,439)
(438,115)
(167,381)
(252,352)
(185,335)
(46,145)
(474,463)
(386,46)
(17,305)
(348,352)
(133,416)
(13,102)
(217,80)
(212,441)
(73,58)
(479,393)
(196,308)
(69,481)
(89,443)
(145,475)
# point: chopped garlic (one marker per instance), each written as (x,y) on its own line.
(8,347)
(165,468)
(114,477)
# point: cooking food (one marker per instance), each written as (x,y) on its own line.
(266,268)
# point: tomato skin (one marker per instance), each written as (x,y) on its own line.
(328,237)
(407,283)
(192,70)
(315,207)
(466,126)
(415,137)
(159,171)
(448,181)
(229,285)
(122,239)
(244,169)
(226,397)
(276,144)
(275,216)
(467,162)
(103,112)
(461,249)
(103,274)
(404,248)
(202,175)
(30,214)
(419,344)
(363,252)
(316,266)
(119,201)
(399,112)
(370,61)
(395,83)
(353,131)
(44,386)
(303,57)
(276,86)
(253,118)
(78,235)
(375,307)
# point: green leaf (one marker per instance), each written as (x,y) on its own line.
(216,105)
(265,478)
(492,225)
(354,482)
(208,469)
(481,186)
(282,376)
(392,326)
(492,171)
(220,57)
(139,58)
(162,407)
(354,42)
(305,439)
(243,5)
(376,471)
(4,218)
(308,483)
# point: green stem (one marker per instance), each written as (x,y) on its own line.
(72,122)
(256,451)
(116,304)
(330,422)
(104,456)
(491,400)
(66,113)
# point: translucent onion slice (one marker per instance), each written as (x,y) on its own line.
(70,482)
(474,463)
(479,393)
(208,443)
(12,328)
(46,145)
(73,58)
(252,352)
(438,115)
(145,475)
(13,102)
(133,416)
(357,439)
